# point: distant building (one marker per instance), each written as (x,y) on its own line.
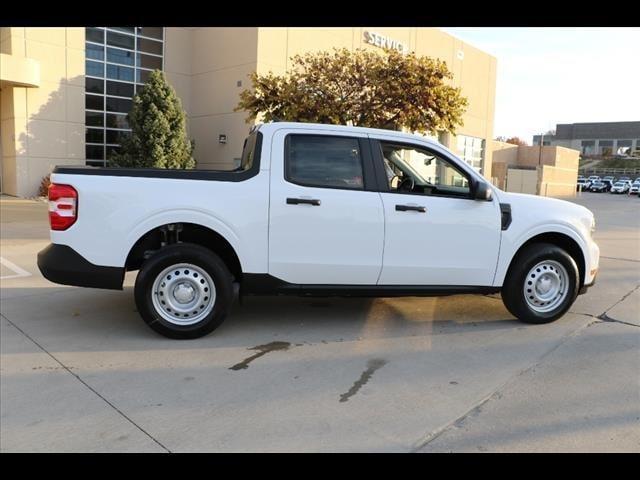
(550,171)
(605,138)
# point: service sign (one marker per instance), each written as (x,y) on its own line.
(373,38)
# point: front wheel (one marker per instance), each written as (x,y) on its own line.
(542,284)
(184,291)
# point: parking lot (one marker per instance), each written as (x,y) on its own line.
(81,372)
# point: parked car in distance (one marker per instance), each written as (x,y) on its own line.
(599,187)
(635,188)
(608,184)
(582,184)
(620,187)
(594,178)
(321,210)
(611,178)
(625,179)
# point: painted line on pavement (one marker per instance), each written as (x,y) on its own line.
(12,266)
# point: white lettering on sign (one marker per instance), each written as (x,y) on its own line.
(381,41)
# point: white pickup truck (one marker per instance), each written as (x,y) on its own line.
(315,210)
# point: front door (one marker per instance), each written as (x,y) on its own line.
(326,221)
(435,233)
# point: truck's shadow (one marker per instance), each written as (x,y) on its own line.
(109,319)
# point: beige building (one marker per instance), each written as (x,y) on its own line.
(66,91)
(42,117)
(550,171)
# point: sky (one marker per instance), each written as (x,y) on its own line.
(560,75)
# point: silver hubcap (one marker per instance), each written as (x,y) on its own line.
(546,286)
(183,294)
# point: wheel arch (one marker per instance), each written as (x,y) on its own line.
(562,240)
(154,240)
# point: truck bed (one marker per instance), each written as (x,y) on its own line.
(217,175)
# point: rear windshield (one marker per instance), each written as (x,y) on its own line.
(250,151)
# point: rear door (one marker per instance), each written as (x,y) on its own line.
(326,223)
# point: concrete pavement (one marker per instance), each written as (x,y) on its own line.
(80,371)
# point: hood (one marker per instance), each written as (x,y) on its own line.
(547,208)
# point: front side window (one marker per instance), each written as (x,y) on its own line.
(324,161)
(415,170)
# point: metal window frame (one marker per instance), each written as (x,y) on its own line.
(136,84)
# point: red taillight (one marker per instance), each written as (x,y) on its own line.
(63,206)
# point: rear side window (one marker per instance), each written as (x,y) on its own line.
(324,161)
(251,152)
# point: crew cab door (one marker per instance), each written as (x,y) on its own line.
(435,233)
(326,220)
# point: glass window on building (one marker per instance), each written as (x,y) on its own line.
(117,55)
(94,52)
(624,147)
(471,150)
(588,147)
(95,69)
(118,61)
(95,35)
(605,147)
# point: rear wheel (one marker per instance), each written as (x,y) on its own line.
(184,291)
(542,284)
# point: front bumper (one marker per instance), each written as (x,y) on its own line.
(62,264)
(585,287)
(592,266)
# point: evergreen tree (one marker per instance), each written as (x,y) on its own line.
(158,123)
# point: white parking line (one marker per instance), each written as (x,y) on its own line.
(12,266)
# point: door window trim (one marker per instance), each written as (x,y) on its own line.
(366,160)
(381,176)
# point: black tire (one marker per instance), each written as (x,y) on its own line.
(198,256)
(513,295)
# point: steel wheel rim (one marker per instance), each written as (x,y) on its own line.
(183,294)
(546,286)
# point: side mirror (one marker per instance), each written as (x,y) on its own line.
(482,192)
